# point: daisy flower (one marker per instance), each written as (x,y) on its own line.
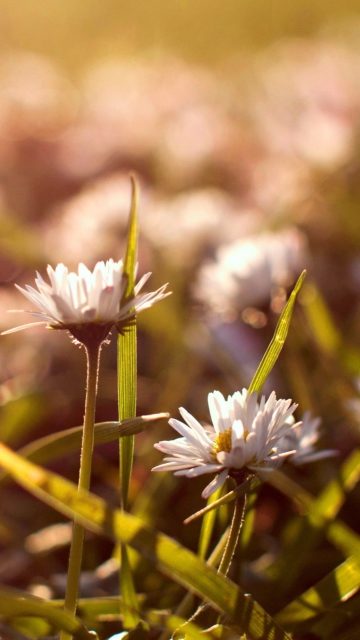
(80,301)
(245,271)
(245,436)
(303,438)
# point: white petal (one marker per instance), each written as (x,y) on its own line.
(23,326)
(219,412)
(87,297)
(215,484)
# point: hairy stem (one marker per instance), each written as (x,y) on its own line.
(77,542)
(234,534)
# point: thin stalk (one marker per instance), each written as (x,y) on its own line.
(182,610)
(77,542)
(205,613)
(234,534)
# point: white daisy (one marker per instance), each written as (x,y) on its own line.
(245,271)
(74,301)
(303,438)
(245,435)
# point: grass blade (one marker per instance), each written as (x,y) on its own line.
(127,366)
(56,445)
(319,521)
(208,524)
(177,562)
(15,603)
(273,351)
(127,380)
(338,586)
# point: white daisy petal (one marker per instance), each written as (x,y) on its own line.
(85,298)
(215,484)
(23,326)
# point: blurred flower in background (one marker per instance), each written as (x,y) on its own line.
(37,100)
(189,226)
(306,102)
(247,272)
(98,215)
(303,438)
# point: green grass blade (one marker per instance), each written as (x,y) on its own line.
(17,603)
(127,403)
(344,538)
(96,606)
(333,496)
(130,605)
(273,351)
(174,560)
(320,520)
(127,364)
(332,622)
(127,381)
(207,525)
(57,445)
(338,586)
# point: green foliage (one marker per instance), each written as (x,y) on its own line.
(59,444)
(14,604)
(167,555)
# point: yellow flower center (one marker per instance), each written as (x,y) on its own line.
(222,442)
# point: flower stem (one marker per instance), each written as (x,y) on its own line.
(76,549)
(205,611)
(234,534)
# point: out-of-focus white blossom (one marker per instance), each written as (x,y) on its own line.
(188,223)
(307,101)
(98,214)
(36,99)
(303,438)
(246,270)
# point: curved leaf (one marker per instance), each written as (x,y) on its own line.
(15,603)
(59,444)
(338,586)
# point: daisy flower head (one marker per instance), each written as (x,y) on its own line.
(86,303)
(244,436)
(303,438)
(244,272)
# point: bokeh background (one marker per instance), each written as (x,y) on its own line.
(241,122)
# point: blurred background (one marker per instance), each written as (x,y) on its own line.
(241,122)
(75,34)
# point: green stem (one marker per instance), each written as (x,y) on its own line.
(76,548)
(205,614)
(234,534)
(183,609)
